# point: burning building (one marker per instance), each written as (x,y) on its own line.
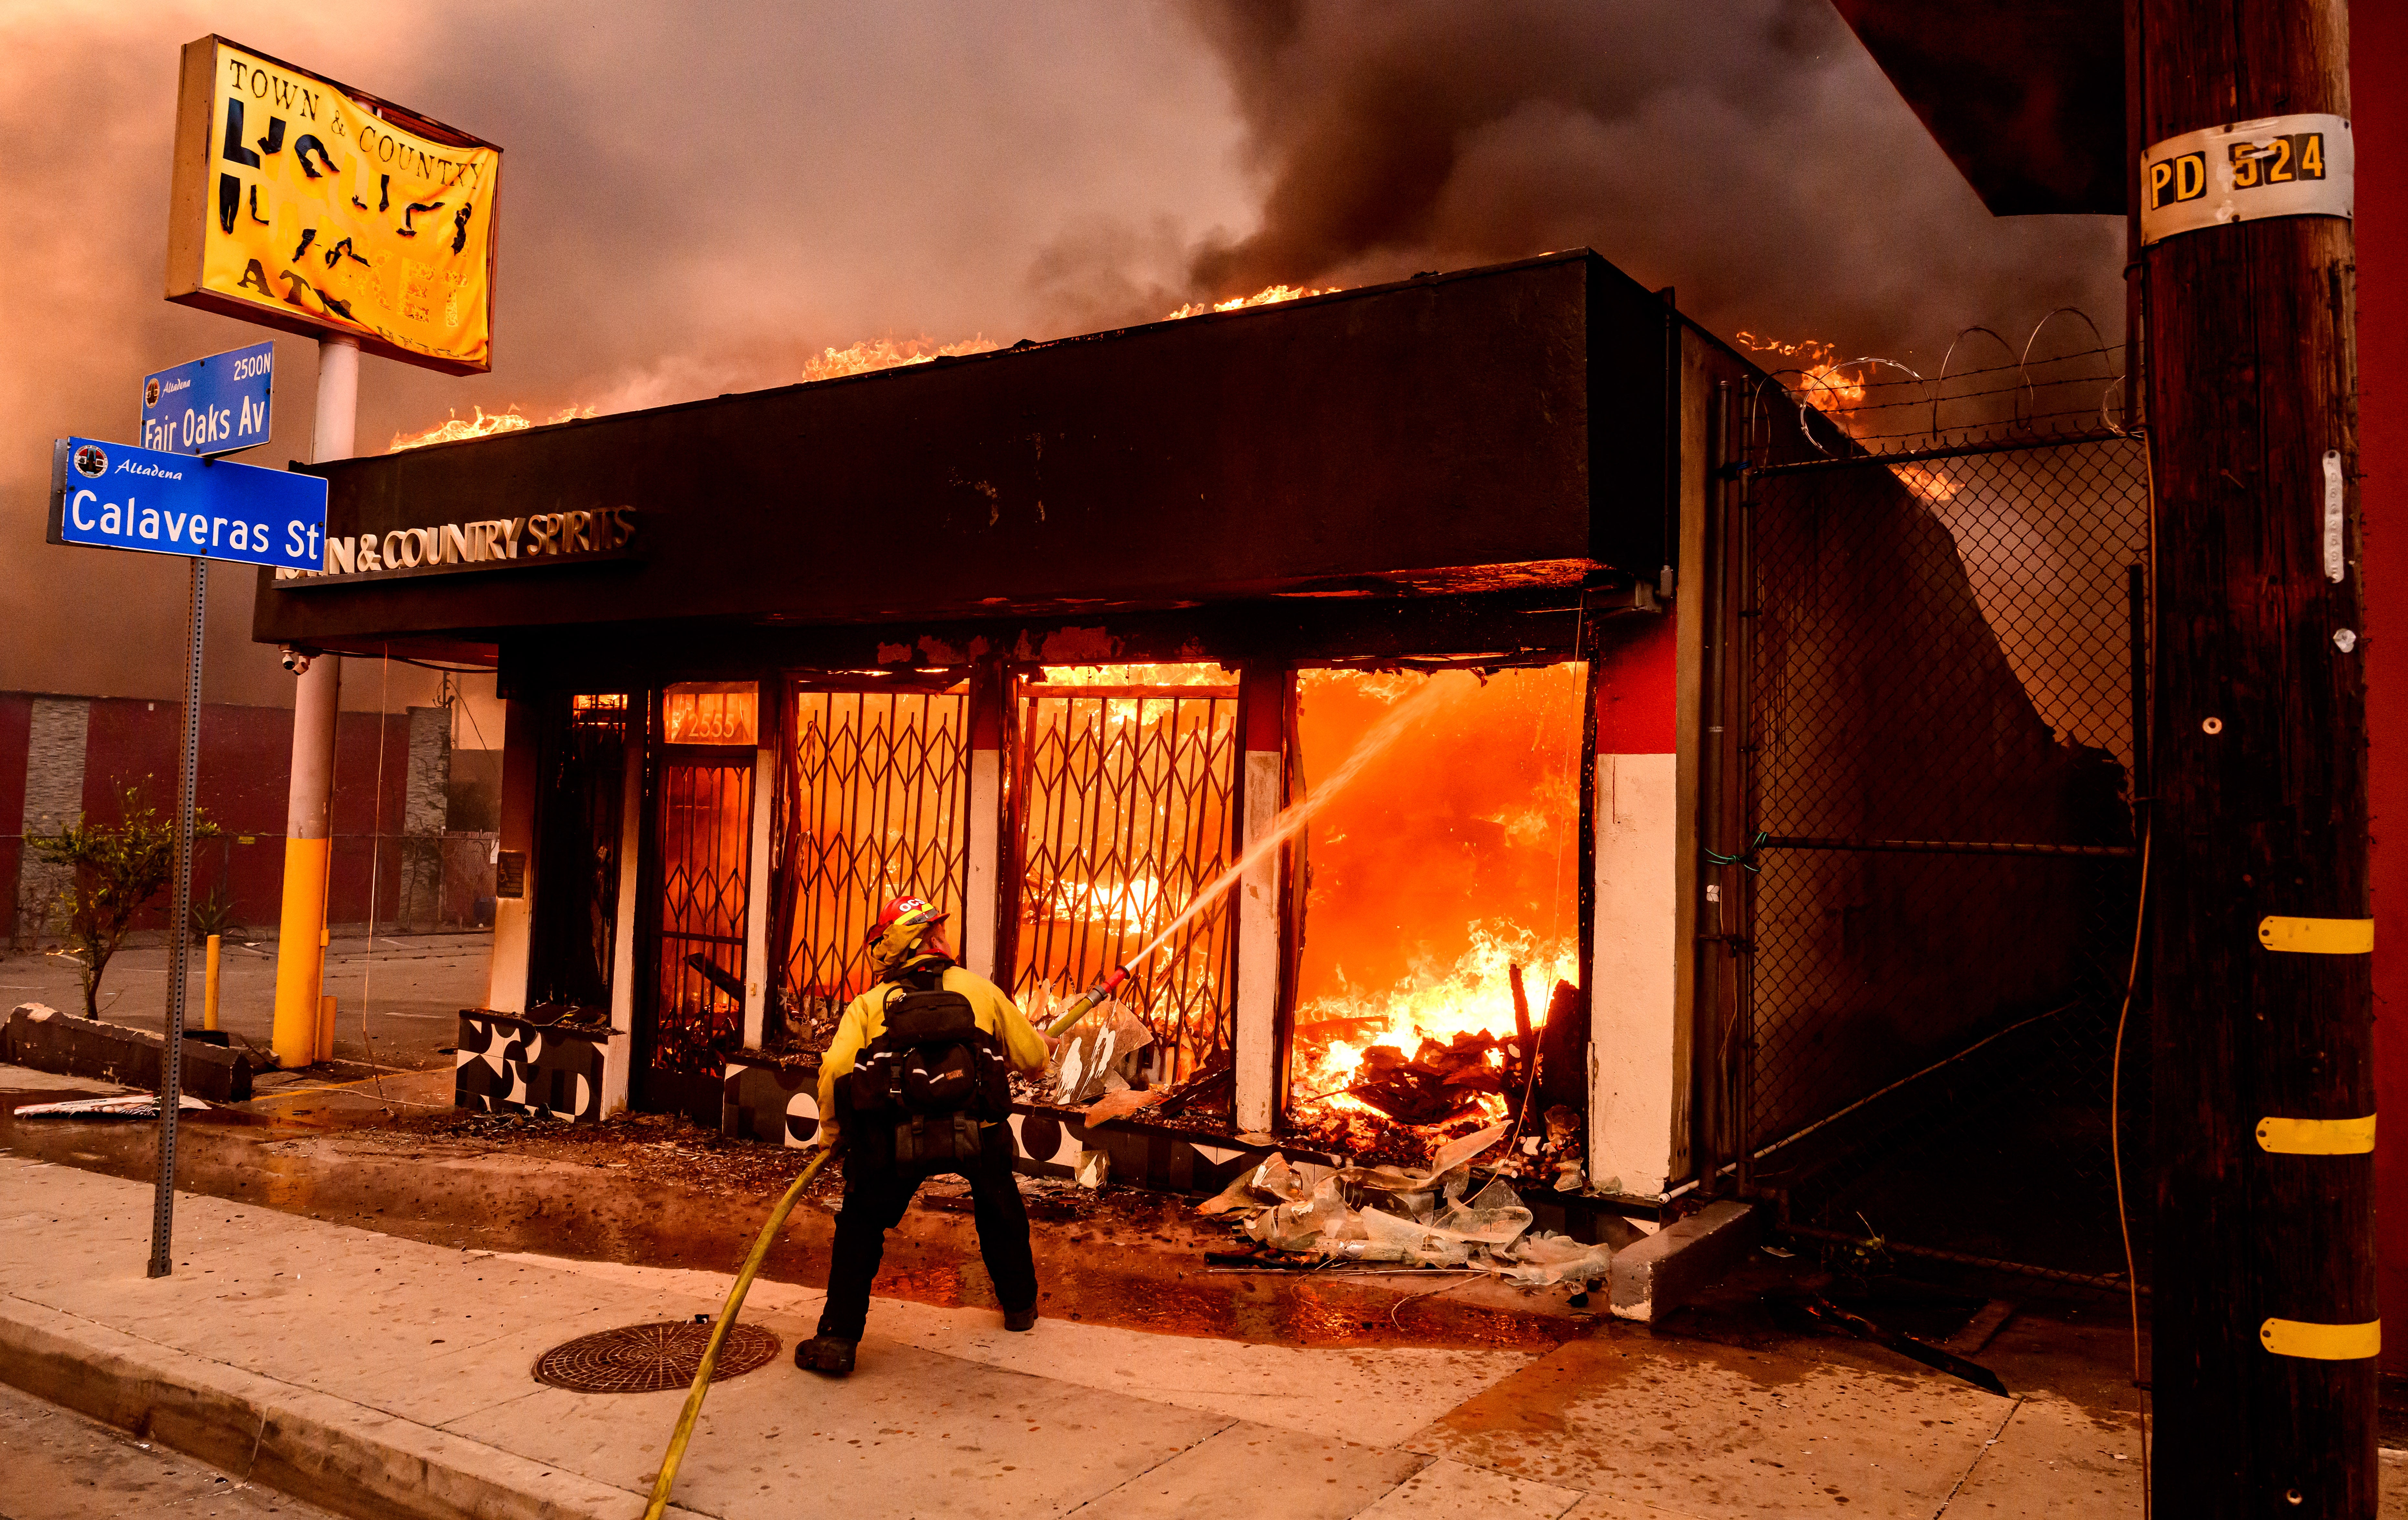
(1055,636)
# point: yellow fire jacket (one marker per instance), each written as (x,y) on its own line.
(865,1020)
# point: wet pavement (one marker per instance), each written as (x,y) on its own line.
(397,1366)
(57,1464)
(660,1192)
(1717,1411)
(656,1191)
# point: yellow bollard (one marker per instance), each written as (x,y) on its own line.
(300,955)
(210,985)
(326,1027)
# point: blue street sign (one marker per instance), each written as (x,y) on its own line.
(212,405)
(113,496)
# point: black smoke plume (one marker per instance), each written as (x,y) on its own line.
(1746,151)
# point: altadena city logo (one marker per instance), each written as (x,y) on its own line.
(90,460)
(151,392)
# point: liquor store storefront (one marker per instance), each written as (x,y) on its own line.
(1050,635)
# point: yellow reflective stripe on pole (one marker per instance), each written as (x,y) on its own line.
(2316,1137)
(2317,936)
(2322,1343)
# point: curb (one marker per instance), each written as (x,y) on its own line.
(1673,1265)
(344,1458)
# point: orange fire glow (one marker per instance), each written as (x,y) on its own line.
(872,354)
(455,428)
(1931,487)
(1260,297)
(887,353)
(1137,675)
(1474,995)
(1820,381)
(861,358)
(1127,907)
(1441,868)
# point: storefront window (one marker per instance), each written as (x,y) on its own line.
(872,790)
(1124,779)
(1450,864)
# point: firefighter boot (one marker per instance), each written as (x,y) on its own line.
(1020,1319)
(826,1354)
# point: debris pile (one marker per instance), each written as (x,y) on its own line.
(1438,1083)
(1105,1054)
(1391,1103)
(1108,1064)
(1413,1217)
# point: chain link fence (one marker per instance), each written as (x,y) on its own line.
(1940,760)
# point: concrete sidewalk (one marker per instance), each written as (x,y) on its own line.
(376,1375)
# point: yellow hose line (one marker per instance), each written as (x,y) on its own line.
(719,1335)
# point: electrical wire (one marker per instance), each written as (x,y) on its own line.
(1397,1307)
(376,855)
(2143,721)
(1554,912)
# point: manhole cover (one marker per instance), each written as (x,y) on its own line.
(647,1359)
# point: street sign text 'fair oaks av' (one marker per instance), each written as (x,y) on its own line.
(213,406)
(303,204)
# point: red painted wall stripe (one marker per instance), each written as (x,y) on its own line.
(1635,681)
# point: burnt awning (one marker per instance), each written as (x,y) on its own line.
(1491,429)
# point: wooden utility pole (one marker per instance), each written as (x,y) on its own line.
(2263,1360)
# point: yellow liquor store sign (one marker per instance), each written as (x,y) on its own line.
(306,205)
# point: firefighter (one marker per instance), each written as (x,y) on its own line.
(914,1081)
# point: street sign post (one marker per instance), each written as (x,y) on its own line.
(112,495)
(213,406)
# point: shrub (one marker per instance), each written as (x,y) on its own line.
(116,870)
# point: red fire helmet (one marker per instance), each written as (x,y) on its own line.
(912,912)
(907,927)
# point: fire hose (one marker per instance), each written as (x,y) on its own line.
(1086,1004)
(726,1321)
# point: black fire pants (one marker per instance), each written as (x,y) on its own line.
(875,1197)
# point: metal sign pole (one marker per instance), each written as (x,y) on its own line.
(179,937)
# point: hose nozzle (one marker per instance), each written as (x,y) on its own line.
(1088,1002)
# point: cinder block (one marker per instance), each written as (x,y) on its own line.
(1668,1268)
(38,1037)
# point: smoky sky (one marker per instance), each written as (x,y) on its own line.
(1745,151)
(697,198)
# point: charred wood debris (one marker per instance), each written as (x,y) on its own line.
(1418,1174)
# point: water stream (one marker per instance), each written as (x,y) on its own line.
(1440,688)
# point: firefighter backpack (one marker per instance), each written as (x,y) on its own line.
(933,1076)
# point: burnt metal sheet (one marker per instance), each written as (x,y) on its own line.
(2025,96)
(1474,432)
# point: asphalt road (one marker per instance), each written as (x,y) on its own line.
(56,1465)
(397,998)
